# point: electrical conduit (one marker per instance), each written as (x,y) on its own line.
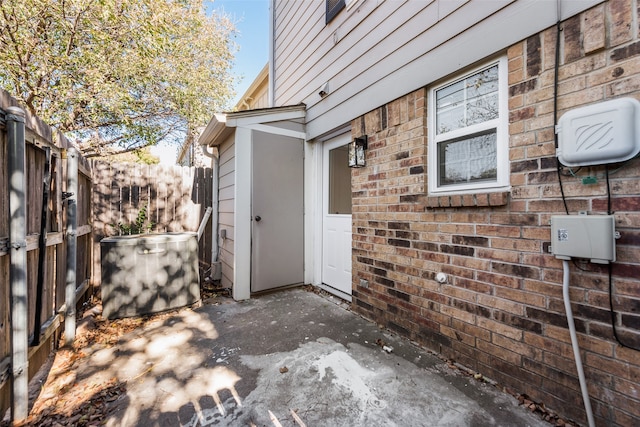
(214,155)
(574,343)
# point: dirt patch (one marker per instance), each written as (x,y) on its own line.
(58,398)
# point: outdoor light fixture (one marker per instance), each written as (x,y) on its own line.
(356,152)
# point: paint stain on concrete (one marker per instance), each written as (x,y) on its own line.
(329,384)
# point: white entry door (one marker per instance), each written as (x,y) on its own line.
(336,216)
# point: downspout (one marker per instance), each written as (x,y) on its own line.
(18,269)
(72,226)
(272,43)
(214,155)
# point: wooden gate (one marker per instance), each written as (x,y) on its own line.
(40,139)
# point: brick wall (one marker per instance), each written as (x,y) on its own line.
(501,311)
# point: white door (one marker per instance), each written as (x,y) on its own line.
(277,238)
(336,216)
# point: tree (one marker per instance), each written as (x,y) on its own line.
(117,75)
(142,155)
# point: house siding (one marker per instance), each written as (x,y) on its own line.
(501,310)
(226,199)
(377,51)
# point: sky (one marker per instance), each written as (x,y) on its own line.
(251,19)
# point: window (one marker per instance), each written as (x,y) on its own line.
(468,132)
(339,181)
(333,7)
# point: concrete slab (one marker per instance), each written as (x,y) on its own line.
(291,358)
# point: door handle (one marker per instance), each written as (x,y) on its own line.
(258,218)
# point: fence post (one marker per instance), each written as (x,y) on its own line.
(72,226)
(18,270)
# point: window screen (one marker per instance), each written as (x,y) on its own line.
(468,135)
(333,7)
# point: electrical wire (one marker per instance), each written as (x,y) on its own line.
(606,174)
(570,172)
(611,309)
(559,168)
(564,198)
(555,112)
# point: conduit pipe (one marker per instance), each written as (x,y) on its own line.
(18,268)
(72,238)
(214,155)
(203,223)
(215,247)
(574,343)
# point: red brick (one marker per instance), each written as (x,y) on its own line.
(498,255)
(497,230)
(458,335)
(504,291)
(517,244)
(612,366)
(470,329)
(621,13)
(527,298)
(499,280)
(500,352)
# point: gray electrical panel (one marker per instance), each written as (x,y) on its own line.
(584,236)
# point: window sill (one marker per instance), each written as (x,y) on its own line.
(468,200)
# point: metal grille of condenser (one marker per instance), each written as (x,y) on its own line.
(148,273)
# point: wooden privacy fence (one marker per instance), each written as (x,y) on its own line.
(44,150)
(175,199)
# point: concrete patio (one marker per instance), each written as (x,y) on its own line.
(291,358)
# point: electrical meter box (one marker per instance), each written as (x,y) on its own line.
(584,236)
(599,134)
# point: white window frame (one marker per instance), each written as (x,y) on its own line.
(501,124)
(350,3)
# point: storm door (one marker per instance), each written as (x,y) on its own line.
(336,215)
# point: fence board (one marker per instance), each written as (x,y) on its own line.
(4,184)
(35,172)
(40,135)
(48,297)
(55,196)
(4,313)
(176,196)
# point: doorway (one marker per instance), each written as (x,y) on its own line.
(277,229)
(336,216)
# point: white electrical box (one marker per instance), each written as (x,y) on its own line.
(598,134)
(584,236)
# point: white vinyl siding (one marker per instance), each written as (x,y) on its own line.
(226,197)
(377,51)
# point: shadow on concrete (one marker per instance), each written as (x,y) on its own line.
(291,358)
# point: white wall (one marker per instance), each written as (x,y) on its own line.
(226,208)
(377,51)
